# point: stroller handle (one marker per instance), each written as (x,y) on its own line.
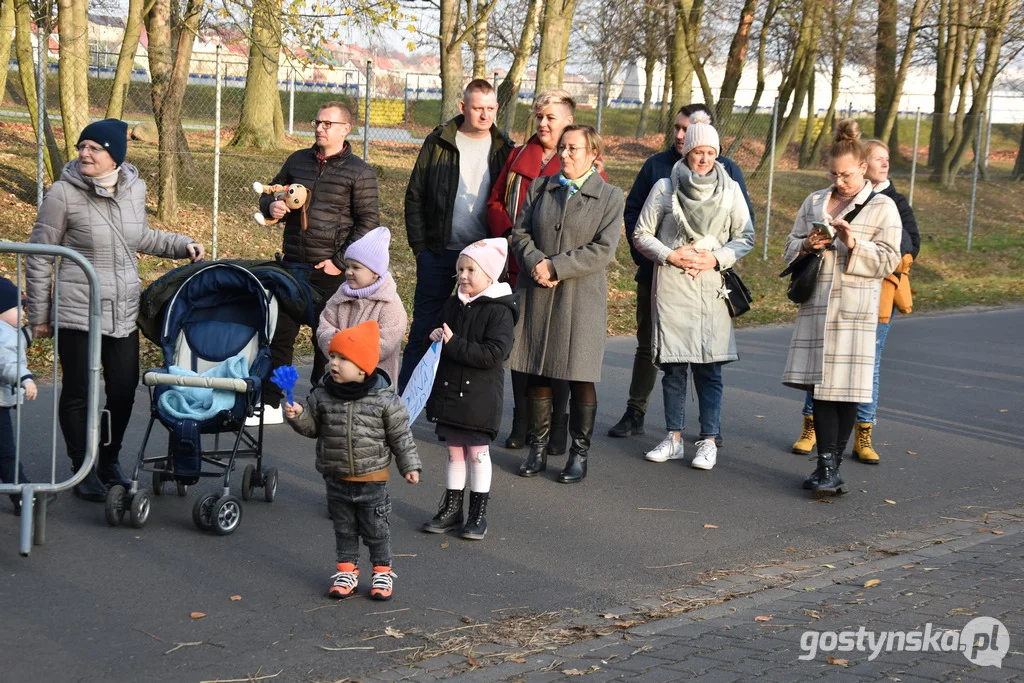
(239,386)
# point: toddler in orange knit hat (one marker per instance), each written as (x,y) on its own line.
(359,424)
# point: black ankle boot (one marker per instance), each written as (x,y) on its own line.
(90,488)
(476,520)
(449,513)
(581,429)
(537,432)
(829,482)
(109,471)
(815,477)
(559,435)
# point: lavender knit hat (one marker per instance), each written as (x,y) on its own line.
(372,250)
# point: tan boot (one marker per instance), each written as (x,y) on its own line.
(862,449)
(805,444)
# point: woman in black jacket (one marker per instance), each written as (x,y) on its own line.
(478,328)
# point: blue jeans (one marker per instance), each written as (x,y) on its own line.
(865,411)
(435,280)
(707,378)
(7,471)
(360,509)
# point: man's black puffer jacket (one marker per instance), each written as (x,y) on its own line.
(344,206)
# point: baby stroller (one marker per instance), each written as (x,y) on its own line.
(215,337)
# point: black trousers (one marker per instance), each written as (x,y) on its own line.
(833,425)
(282,346)
(119,357)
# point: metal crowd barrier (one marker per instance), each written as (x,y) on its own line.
(34,495)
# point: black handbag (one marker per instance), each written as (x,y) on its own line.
(737,296)
(805,268)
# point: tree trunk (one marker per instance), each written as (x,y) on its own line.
(261,123)
(73,69)
(885,64)
(650,66)
(1018,166)
(54,158)
(555,27)
(888,131)
(126,58)
(680,69)
(806,144)
(6,30)
(480,42)
(451,59)
(169,58)
(508,91)
(734,64)
(943,87)
(691,12)
(769,16)
(969,35)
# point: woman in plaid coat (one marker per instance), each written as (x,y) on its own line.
(833,348)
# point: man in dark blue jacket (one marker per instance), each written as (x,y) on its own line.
(659,166)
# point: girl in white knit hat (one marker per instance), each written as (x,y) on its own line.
(694,225)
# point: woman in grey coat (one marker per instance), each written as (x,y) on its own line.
(97,208)
(564,238)
(694,224)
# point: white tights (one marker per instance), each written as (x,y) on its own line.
(480,464)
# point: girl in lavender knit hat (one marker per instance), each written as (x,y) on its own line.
(369,293)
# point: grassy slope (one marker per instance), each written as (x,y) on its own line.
(946,275)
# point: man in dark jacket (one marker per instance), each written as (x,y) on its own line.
(645,373)
(343,206)
(446,206)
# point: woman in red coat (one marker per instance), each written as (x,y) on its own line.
(553,110)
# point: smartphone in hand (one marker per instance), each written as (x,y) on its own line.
(825,228)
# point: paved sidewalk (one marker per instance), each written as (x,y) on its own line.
(957,572)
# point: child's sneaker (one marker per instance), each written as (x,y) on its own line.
(345,581)
(383,582)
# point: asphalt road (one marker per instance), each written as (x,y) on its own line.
(97,603)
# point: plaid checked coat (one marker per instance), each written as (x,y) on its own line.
(833,347)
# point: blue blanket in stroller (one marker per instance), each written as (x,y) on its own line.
(200,403)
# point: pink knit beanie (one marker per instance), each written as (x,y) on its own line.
(372,250)
(490,255)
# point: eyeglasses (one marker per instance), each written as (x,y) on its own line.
(840,176)
(316,123)
(92,149)
(573,150)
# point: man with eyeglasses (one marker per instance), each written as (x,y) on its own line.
(446,206)
(658,166)
(343,206)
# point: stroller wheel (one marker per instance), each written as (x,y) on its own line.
(158,483)
(247,482)
(226,515)
(270,485)
(202,511)
(182,489)
(140,510)
(115,505)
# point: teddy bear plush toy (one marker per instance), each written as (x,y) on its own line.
(295,197)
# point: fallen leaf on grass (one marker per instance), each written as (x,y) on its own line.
(762,618)
(393,632)
(871,583)
(890,502)
(197,615)
(838,662)
(710,526)
(236,598)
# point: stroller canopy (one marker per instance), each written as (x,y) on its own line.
(218,310)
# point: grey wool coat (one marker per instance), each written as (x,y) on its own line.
(106,229)
(690,320)
(833,346)
(561,330)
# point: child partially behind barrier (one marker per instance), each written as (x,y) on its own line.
(359,423)
(14,377)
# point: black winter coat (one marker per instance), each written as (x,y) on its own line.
(344,205)
(470,383)
(434,185)
(910,241)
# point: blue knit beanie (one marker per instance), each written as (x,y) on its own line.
(112,134)
(8,295)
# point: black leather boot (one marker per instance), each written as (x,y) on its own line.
(91,488)
(537,432)
(829,481)
(449,513)
(559,435)
(812,481)
(109,471)
(476,520)
(581,429)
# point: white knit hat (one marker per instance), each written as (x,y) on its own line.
(700,133)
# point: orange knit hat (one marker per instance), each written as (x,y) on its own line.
(359,344)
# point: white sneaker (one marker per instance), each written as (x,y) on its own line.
(669,449)
(271,416)
(707,454)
